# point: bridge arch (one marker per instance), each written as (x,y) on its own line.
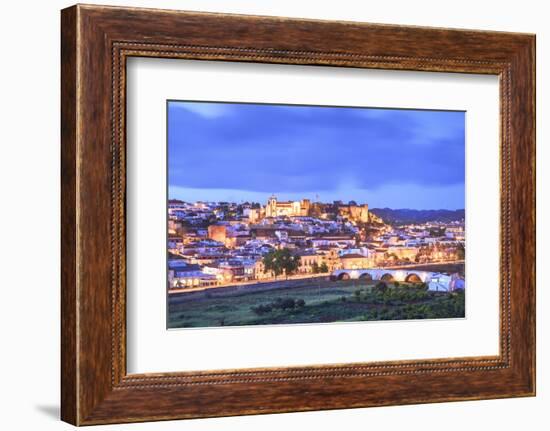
(413,278)
(433,280)
(387,277)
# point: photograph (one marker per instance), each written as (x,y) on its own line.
(285,214)
(288,212)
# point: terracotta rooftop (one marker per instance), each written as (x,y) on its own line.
(353,256)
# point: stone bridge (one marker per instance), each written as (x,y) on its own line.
(436,281)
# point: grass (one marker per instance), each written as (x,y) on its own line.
(320,302)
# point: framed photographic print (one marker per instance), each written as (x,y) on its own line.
(265,214)
(238,255)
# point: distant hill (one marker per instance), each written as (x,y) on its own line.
(406,216)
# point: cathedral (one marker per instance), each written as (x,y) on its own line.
(275,208)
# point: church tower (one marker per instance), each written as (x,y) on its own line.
(271,207)
(305,207)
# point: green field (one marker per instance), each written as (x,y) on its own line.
(319,301)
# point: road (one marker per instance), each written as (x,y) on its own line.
(313,277)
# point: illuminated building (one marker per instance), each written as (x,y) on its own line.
(275,208)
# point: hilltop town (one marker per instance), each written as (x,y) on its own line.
(223,243)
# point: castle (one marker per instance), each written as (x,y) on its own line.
(304,207)
(275,208)
(355,212)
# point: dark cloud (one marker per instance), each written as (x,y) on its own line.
(262,148)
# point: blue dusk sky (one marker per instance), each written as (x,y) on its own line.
(384,157)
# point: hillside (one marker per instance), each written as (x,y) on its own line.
(406,216)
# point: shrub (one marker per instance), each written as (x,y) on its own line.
(262,309)
(421,294)
(279,304)
(381,286)
(288,303)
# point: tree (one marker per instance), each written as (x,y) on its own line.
(315,268)
(460,252)
(323,267)
(281,262)
(381,286)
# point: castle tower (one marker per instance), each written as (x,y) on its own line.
(365,213)
(271,207)
(306,207)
